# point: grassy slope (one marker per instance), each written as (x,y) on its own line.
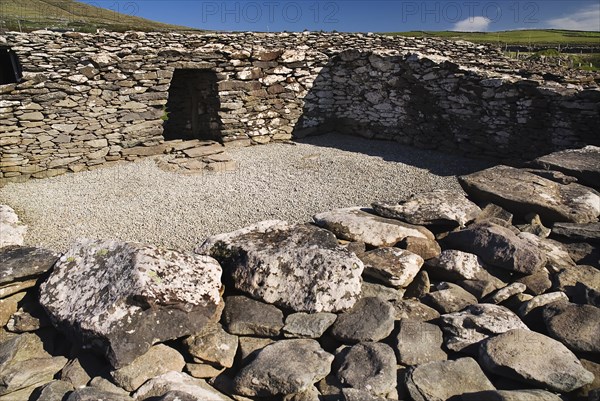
(542,37)
(67,14)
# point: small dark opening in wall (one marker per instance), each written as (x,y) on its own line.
(10,67)
(192,110)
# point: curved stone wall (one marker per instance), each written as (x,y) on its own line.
(88,100)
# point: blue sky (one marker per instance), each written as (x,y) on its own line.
(365,16)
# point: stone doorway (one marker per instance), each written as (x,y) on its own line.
(10,67)
(192,110)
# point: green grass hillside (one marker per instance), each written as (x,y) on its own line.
(537,37)
(29,15)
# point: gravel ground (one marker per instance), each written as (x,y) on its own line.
(140,202)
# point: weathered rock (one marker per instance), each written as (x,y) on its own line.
(522,193)
(477,323)
(419,342)
(29,317)
(512,395)
(286,367)
(177,396)
(534,226)
(371,319)
(439,207)
(354,394)
(481,288)
(56,390)
(25,365)
(300,267)
(542,300)
(456,265)
(493,212)
(576,326)
(245,316)
(536,283)
(414,310)
(419,287)
(181,382)
(584,164)
(380,291)
(248,346)
(10,305)
(24,263)
(213,344)
(588,389)
(357,224)
(74,374)
(557,255)
(303,325)
(583,253)
(533,358)
(158,360)
(506,292)
(13,232)
(449,298)
(443,380)
(424,247)
(95,394)
(499,247)
(393,266)
(203,370)
(578,280)
(368,366)
(589,232)
(110,295)
(311,394)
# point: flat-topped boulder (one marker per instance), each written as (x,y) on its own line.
(296,266)
(23,265)
(439,207)
(583,164)
(522,192)
(121,297)
(357,224)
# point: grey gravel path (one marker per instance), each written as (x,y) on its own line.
(140,202)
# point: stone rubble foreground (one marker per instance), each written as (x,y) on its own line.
(471,305)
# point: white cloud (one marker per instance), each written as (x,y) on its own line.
(585,19)
(474,24)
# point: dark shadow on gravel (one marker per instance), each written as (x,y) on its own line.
(436,162)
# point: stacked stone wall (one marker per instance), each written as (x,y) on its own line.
(89,100)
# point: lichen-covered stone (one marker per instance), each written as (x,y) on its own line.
(13,231)
(393,266)
(296,266)
(120,298)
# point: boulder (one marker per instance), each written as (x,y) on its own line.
(95,394)
(424,247)
(213,344)
(522,193)
(357,224)
(414,310)
(477,323)
(449,298)
(304,325)
(505,293)
(536,283)
(589,232)
(453,265)
(439,207)
(533,358)
(392,266)
(371,319)
(13,232)
(577,281)
(285,367)
(443,380)
(583,164)
(498,246)
(180,382)
(368,366)
(419,342)
(534,226)
(158,360)
(244,316)
(298,266)
(542,300)
(22,264)
(556,253)
(576,326)
(354,394)
(56,390)
(512,395)
(122,297)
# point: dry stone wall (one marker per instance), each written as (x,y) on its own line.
(87,100)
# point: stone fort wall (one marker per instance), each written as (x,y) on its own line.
(88,100)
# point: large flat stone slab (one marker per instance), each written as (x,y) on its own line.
(357,224)
(296,266)
(583,164)
(19,263)
(122,297)
(522,192)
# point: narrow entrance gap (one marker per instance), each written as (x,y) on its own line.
(10,67)
(192,110)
